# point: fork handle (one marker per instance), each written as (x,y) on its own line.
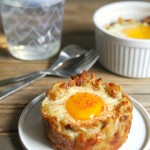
(18,78)
(20,85)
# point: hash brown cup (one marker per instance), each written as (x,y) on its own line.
(107,130)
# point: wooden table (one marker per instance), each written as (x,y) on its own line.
(78,29)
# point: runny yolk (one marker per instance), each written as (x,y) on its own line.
(139,32)
(83,106)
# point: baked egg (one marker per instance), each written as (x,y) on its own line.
(86,114)
(139,29)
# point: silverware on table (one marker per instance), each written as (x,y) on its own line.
(67,53)
(84,63)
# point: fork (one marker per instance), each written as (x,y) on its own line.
(85,63)
(67,53)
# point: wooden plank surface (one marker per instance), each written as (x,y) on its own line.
(78,29)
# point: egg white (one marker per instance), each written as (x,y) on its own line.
(58,107)
(117,28)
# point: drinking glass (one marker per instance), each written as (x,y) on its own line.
(33,27)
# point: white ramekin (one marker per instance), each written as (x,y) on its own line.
(124,56)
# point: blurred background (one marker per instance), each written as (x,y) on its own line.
(77,23)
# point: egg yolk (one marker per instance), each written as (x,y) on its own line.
(83,106)
(139,32)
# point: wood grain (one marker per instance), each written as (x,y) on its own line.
(78,29)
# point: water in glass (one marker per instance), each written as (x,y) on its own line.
(33,29)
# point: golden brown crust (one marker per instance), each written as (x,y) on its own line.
(112,127)
(122,21)
(147,20)
(113,89)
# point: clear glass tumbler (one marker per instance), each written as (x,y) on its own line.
(33,27)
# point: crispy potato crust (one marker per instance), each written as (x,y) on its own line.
(111,129)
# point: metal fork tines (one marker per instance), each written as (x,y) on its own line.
(67,53)
(82,64)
